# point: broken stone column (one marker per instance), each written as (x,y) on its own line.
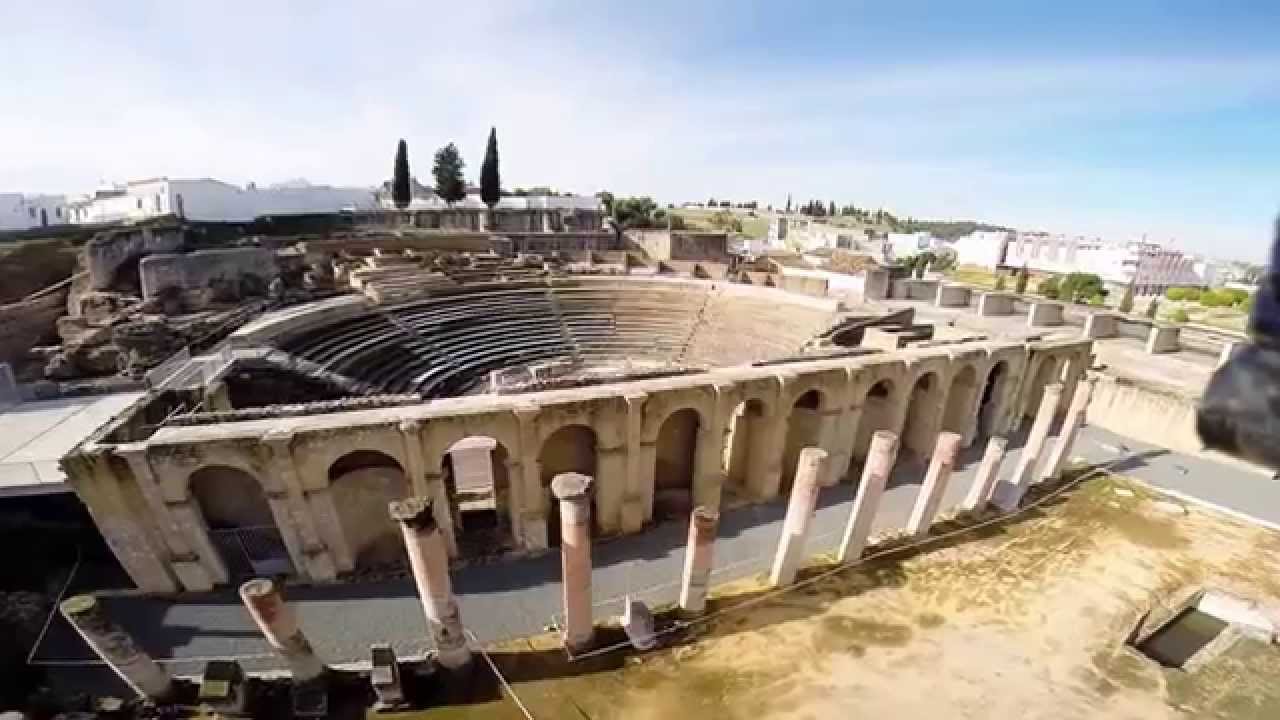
(575,558)
(1070,428)
(935,484)
(278,624)
(116,648)
(984,481)
(810,471)
(1009,494)
(429,559)
(875,474)
(697,559)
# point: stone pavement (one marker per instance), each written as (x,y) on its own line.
(520,597)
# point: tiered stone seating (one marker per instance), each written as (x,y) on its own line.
(635,321)
(448,344)
(443,346)
(739,329)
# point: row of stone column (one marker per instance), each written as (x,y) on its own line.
(429,556)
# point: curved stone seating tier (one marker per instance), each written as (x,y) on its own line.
(447,344)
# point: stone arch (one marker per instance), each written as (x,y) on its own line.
(959,414)
(675,464)
(990,401)
(878,413)
(571,448)
(478,485)
(240,522)
(1046,373)
(923,411)
(804,429)
(363,483)
(746,433)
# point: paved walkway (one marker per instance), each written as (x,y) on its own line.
(520,597)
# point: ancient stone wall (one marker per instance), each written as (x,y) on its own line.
(207,274)
(110,250)
(618,430)
(31,321)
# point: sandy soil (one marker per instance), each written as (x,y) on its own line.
(1026,620)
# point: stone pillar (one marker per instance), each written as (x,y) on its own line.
(935,484)
(278,624)
(1229,350)
(533,513)
(291,513)
(429,559)
(811,469)
(984,481)
(428,482)
(875,474)
(1162,339)
(116,647)
(192,557)
(575,558)
(1009,494)
(698,559)
(611,468)
(1100,325)
(633,496)
(1070,428)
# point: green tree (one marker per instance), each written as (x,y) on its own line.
(1049,287)
(636,212)
(606,199)
(400,193)
(450,185)
(945,260)
(831,209)
(788,210)
(1020,285)
(1079,287)
(490,180)
(1153,308)
(1126,302)
(999,287)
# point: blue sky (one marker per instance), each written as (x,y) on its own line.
(1095,118)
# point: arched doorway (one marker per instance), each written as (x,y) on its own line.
(240,522)
(364,483)
(920,430)
(989,404)
(958,417)
(570,449)
(877,414)
(1046,374)
(804,429)
(475,475)
(745,433)
(675,463)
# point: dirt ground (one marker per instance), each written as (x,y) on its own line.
(1025,619)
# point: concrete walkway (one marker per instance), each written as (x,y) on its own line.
(520,597)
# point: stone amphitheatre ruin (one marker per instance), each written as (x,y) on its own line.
(279,452)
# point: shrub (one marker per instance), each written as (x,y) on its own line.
(1020,285)
(1098,300)
(1000,283)
(1126,302)
(1179,315)
(1235,295)
(1176,294)
(1191,294)
(1214,299)
(1152,308)
(1049,287)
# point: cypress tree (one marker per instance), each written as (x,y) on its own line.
(400,177)
(1126,302)
(490,181)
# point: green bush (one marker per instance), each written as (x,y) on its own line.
(1153,307)
(1020,285)
(1049,287)
(1179,315)
(999,283)
(1191,294)
(1126,302)
(1235,295)
(1215,299)
(1098,300)
(1176,294)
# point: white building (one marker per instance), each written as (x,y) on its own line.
(20,212)
(208,200)
(901,245)
(804,234)
(1149,267)
(425,198)
(983,248)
